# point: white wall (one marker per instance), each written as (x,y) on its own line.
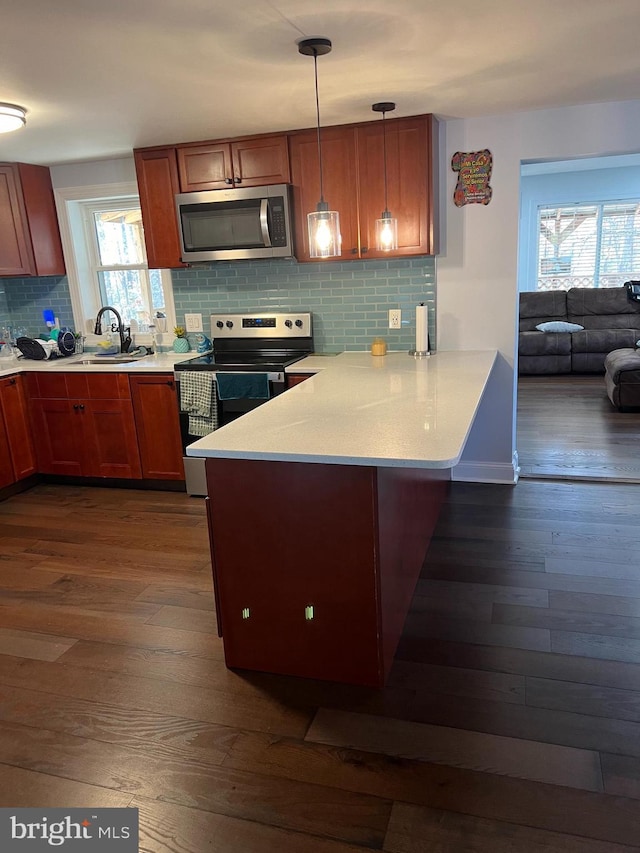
(93,173)
(478,264)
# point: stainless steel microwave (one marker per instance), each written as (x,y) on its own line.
(235,224)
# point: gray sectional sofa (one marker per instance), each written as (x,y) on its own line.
(610,321)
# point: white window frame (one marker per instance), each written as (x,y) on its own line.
(73,204)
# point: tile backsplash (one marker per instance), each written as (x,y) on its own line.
(350,301)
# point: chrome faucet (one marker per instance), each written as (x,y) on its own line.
(125,334)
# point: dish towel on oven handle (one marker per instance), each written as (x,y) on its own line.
(198,398)
(243,386)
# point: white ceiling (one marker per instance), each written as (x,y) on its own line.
(101,77)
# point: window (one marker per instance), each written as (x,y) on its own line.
(103,240)
(588,245)
(117,254)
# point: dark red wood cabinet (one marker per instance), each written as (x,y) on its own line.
(155,407)
(252,162)
(158,183)
(314,565)
(17,427)
(84,425)
(353,184)
(29,235)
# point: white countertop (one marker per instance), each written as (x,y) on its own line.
(360,409)
(160,363)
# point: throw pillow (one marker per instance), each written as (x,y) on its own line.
(559,326)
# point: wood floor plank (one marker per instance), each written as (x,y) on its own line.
(567,620)
(20,789)
(457,681)
(184,618)
(414,829)
(621,775)
(28,644)
(588,602)
(607,673)
(596,646)
(167,828)
(355,818)
(557,765)
(440,627)
(608,818)
(606,702)
(149,694)
(178,595)
(480,593)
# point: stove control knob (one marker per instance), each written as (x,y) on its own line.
(229,324)
(288,324)
(220,324)
(299,323)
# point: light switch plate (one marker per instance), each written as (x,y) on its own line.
(193,322)
(395,318)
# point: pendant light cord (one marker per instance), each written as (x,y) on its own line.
(315,68)
(384,148)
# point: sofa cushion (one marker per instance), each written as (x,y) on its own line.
(537,365)
(623,361)
(602,308)
(540,307)
(602,340)
(559,326)
(544,343)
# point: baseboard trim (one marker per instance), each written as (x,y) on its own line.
(487,472)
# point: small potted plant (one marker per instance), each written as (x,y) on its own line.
(181,344)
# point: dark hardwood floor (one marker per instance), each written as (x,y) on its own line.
(568,429)
(511,721)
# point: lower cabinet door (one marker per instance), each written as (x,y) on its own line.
(6,468)
(109,438)
(155,405)
(16,418)
(58,433)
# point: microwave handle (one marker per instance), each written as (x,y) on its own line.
(264,222)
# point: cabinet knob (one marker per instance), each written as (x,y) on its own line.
(170,383)
(12,382)
(354,251)
(228,180)
(81,407)
(364,249)
(237,180)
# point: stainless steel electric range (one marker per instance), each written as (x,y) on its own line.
(261,344)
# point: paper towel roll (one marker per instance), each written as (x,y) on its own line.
(422,328)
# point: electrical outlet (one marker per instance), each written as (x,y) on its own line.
(395,318)
(193,322)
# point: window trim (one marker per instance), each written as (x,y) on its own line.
(70,203)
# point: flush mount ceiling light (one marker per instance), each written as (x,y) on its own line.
(12,117)
(386,226)
(323,224)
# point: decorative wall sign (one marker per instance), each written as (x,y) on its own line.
(474,174)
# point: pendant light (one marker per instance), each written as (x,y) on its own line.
(323,224)
(386,226)
(12,117)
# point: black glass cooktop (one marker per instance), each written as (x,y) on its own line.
(253,363)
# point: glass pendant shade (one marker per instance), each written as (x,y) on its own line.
(386,232)
(12,117)
(324,232)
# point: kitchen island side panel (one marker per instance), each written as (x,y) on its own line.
(347,541)
(409,503)
(295,560)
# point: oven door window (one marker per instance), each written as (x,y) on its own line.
(224,225)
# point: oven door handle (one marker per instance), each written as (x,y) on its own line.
(264,222)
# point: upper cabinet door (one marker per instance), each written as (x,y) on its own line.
(261,161)
(409,184)
(205,167)
(157,172)
(15,251)
(339,184)
(29,235)
(254,162)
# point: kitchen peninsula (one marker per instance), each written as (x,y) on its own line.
(322,504)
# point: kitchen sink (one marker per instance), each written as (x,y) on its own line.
(108,359)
